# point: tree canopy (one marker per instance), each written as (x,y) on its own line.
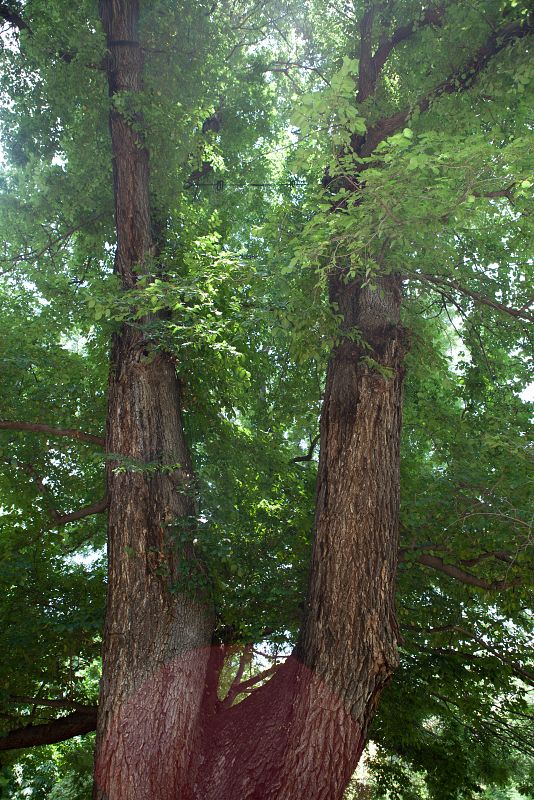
(286,140)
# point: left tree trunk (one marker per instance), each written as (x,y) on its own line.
(157,633)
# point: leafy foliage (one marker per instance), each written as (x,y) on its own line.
(242,270)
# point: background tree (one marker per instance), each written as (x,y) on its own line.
(224,298)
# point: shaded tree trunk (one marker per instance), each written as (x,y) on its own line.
(161,731)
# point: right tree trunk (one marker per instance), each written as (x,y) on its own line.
(350,632)
(301,735)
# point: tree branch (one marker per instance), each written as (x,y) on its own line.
(51,703)
(309,454)
(11,15)
(506,192)
(58,730)
(86,511)
(459,574)
(518,668)
(460,80)
(57,518)
(520,313)
(247,685)
(233,691)
(366,73)
(37,427)
(501,555)
(57,243)
(431,16)
(284,67)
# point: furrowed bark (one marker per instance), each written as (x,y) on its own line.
(356,526)
(302,733)
(157,632)
(162,733)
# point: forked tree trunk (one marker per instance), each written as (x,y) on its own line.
(156,640)
(161,732)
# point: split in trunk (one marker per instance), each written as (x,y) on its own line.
(161,732)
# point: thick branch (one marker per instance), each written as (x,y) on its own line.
(366,76)
(432,16)
(87,511)
(459,574)
(75,724)
(520,313)
(37,427)
(460,80)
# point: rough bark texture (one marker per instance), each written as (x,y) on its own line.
(156,640)
(349,637)
(156,634)
(302,734)
(162,733)
(356,524)
(291,738)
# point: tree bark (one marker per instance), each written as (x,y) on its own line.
(157,631)
(302,733)
(161,731)
(356,524)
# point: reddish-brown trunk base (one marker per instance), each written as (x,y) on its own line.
(292,738)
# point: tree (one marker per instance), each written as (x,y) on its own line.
(396,190)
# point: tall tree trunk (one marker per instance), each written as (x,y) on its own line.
(161,732)
(302,734)
(350,632)
(157,634)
